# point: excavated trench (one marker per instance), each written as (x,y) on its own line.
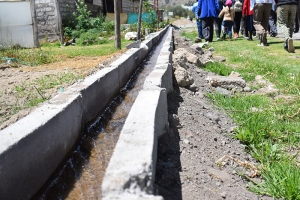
(80,176)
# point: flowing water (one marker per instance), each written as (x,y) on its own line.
(80,177)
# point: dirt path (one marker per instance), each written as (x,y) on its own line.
(199,136)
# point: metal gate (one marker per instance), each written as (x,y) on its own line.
(16,24)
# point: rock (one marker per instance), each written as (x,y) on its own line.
(193,87)
(223,91)
(181,55)
(185,141)
(268,90)
(197,40)
(219,59)
(186,39)
(197,48)
(226,82)
(179,58)
(183,77)
(101,66)
(200,95)
(131,36)
(223,194)
(203,44)
(174,121)
(206,58)
(260,80)
(247,89)
(235,74)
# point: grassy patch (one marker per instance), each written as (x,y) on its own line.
(268,125)
(52,52)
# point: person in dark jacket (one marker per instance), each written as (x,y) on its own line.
(218,21)
(207,11)
(286,13)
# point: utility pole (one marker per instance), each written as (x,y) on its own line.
(117,24)
(139,20)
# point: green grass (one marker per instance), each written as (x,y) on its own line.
(51,52)
(268,126)
(91,50)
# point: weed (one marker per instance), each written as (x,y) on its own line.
(281,180)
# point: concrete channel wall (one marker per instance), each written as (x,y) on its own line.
(32,148)
(131,171)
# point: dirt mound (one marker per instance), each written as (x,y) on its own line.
(184,23)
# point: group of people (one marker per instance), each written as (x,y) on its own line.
(225,16)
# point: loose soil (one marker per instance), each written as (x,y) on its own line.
(199,158)
(200,134)
(12,76)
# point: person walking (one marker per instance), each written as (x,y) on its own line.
(218,21)
(262,10)
(247,14)
(207,12)
(286,13)
(238,17)
(227,23)
(272,23)
(198,21)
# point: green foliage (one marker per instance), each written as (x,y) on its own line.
(132,27)
(82,16)
(218,68)
(152,23)
(30,57)
(91,37)
(281,180)
(88,29)
(107,27)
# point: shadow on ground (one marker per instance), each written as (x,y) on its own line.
(167,181)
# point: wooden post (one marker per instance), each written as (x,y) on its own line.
(139,20)
(117,24)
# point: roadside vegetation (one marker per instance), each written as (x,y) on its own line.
(271,131)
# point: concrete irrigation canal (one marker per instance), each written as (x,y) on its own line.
(97,139)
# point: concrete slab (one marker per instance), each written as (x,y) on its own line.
(160,77)
(33,147)
(132,165)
